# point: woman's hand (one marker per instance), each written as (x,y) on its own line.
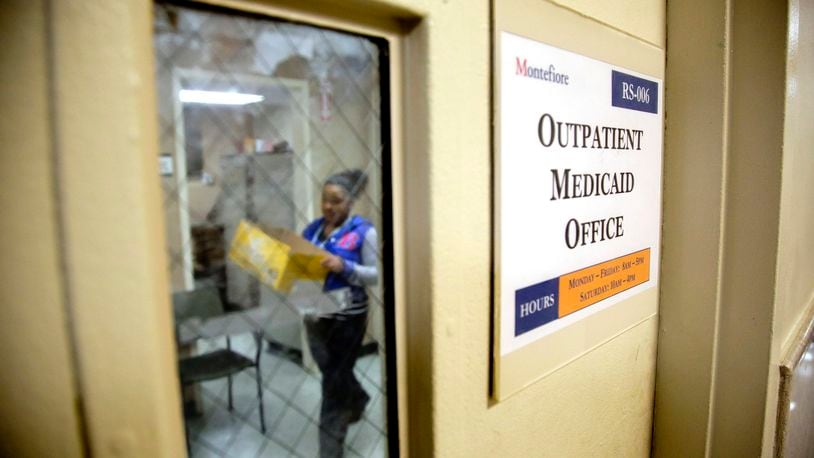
(333,263)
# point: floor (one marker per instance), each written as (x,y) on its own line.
(291,398)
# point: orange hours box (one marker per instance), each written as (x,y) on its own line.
(590,285)
(544,302)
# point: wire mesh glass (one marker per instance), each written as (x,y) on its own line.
(254,114)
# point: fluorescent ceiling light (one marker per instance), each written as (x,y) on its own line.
(218,98)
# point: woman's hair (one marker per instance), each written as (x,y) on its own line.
(353,181)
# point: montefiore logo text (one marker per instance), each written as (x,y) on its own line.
(549,74)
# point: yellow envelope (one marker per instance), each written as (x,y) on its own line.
(276,256)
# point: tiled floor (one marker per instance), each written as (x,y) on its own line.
(291,397)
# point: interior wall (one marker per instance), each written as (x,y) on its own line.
(795,265)
(600,404)
(110,203)
(752,203)
(794,293)
(691,241)
(643,19)
(450,267)
(37,386)
(723,157)
(595,405)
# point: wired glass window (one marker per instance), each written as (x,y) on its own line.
(275,176)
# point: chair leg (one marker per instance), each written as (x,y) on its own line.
(260,398)
(186,428)
(258,340)
(231,407)
(186,435)
(229,347)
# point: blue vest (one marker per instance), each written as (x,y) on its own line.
(345,242)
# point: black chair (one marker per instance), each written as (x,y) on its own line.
(204,303)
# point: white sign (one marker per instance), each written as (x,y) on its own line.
(578,185)
(165,165)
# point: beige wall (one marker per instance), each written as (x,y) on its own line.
(724,154)
(751,210)
(794,293)
(695,129)
(735,284)
(643,19)
(37,386)
(600,404)
(109,199)
(795,263)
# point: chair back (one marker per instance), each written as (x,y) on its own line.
(203,302)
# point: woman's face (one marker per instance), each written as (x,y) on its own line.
(335,204)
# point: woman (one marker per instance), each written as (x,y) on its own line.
(335,340)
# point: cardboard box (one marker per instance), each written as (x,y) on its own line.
(276,256)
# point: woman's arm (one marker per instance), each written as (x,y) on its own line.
(365,273)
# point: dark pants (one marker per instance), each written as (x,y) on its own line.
(335,343)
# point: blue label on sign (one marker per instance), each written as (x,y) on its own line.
(536,305)
(634,93)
